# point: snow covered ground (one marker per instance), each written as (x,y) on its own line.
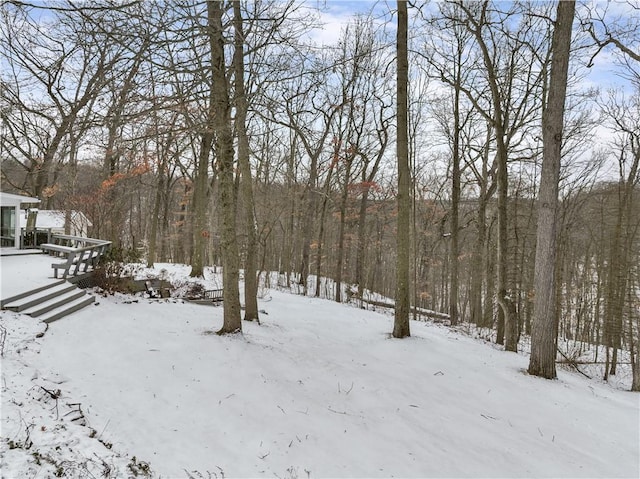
(318,390)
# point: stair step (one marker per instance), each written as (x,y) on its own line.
(39,297)
(15,298)
(54,302)
(67,309)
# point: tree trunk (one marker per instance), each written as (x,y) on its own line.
(224,152)
(542,361)
(402,304)
(360,246)
(287,246)
(341,228)
(455,202)
(323,214)
(250,267)
(153,234)
(307,228)
(200,203)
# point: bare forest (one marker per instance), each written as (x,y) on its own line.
(238,134)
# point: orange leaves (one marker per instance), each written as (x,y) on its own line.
(50,191)
(112,181)
(137,170)
(365,186)
(140,169)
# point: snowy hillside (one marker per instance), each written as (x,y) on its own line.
(318,390)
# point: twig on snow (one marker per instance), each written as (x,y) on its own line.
(337,412)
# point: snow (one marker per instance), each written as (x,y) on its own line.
(319,389)
(21,273)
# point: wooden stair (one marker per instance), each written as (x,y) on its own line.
(49,303)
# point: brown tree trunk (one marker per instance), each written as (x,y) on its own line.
(250,267)
(455,202)
(224,153)
(323,214)
(341,228)
(307,228)
(200,203)
(542,361)
(402,301)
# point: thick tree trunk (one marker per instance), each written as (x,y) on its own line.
(224,153)
(544,334)
(506,331)
(402,304)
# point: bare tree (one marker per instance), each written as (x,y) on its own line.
(221,127)
(621,32)
(67,65)
(250,278)
(542,361)
(402,298)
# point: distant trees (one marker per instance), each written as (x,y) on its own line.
(56,72)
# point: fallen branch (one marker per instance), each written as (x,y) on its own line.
(421,311)
(337,412)
(3,338)
(573,364)
(346,391)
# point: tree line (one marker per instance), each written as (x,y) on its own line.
(462,179)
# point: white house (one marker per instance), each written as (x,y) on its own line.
(14,212)
(20,214)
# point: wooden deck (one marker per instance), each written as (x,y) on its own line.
(24,272)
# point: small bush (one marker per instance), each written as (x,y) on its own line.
(109,277)
(119,254)
(194,291)
(116,277)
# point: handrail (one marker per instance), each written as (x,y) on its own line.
(78,251)
(78,239)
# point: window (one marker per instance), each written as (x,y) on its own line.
(8,226)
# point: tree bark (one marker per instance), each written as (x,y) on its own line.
(246,185)
(341,227)
(544,332)
(224,152)
(455,199)
(402,304)
(200,200)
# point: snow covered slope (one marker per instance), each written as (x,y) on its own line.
(320,390)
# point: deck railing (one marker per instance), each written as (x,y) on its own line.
(79,253)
